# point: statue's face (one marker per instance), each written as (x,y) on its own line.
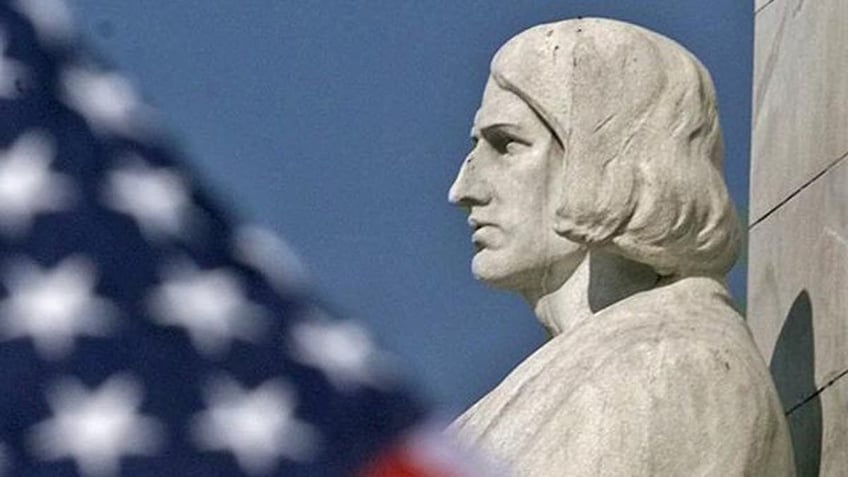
(509,183)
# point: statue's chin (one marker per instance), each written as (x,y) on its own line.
(506,269)
(497,272)
(487,270)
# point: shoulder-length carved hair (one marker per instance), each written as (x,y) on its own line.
(636,116)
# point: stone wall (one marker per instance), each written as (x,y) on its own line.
(798,262)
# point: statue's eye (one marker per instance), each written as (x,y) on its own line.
(507,144)
(515,147)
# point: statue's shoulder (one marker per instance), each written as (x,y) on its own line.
(691,330)
(663,344)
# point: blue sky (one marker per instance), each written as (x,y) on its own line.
(341,126)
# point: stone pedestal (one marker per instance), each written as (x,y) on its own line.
(798,262)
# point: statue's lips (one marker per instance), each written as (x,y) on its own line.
(482,235)
(476,223)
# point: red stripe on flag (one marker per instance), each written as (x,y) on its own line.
(401,462)
(428,452)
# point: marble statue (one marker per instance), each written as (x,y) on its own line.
(594,190)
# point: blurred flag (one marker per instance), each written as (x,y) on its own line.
(142,332)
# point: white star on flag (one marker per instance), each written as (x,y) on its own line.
(52,307)
(258,427)
(107,101)
(156,198)
(96,428)
(209,304)
(342,351)
(27,187)
(11,72)
(51,18)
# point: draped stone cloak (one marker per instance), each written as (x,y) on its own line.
(666,382)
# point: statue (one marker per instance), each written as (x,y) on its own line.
(594,190)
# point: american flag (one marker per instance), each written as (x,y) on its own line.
(143,330)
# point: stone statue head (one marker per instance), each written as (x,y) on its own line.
(595,134)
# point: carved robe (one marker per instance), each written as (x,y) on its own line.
(666,382)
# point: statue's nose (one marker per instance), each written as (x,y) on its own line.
(469,188)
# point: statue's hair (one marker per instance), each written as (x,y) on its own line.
(636,116)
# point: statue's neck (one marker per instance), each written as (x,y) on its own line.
(600,280)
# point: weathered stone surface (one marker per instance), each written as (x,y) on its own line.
(802,248)
(800,113)
(835,437)
(594,192)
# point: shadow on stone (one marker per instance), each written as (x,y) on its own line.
(793,368)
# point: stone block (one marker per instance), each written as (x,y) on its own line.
(800,111)
(798,277)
